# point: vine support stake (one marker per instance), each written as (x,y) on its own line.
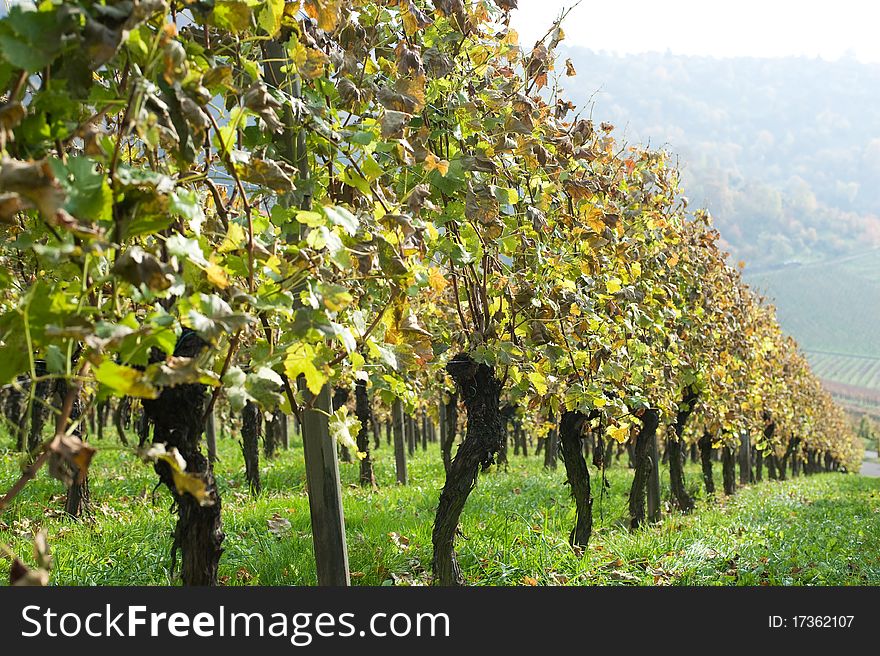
(399,447)
(325,493)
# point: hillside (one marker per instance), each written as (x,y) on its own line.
(786,155)
(832,307)
(785,152)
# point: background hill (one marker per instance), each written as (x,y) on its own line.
(786,155)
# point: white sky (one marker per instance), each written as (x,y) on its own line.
(721,28)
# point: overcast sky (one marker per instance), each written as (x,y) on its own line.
(720,28)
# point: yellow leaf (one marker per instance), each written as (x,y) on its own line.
(326,12)
(300,360)
(539,382)
(193,485)
(414,19)
(594,220)
(217,275)
(309,62)
(613,285)
(436,280)
(619,433)
(125,381)
(234,239)
(432,162)
(185,483)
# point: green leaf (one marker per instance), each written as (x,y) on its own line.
(187,249)
(390,262)
(233,15)
(344,430)
(264,386)
(384,354)
(310,219)
(342,217)
(211,317)
(56,361)
(270,15)
(88,194)
(13,345)
(138,267)
(233,381)
(30,39)
(186,203)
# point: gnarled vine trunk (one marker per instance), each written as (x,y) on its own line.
(39,407)
(675,452)
(771,466)
(15,411)
(364,413)
(177,416)
(641,455)
(210,434)
(480,391)
(272,435)
(578,474)
(78,497)
(450,418)
(706,462)
(251,424)
(728,469)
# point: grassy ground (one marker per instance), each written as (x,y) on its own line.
(819,530)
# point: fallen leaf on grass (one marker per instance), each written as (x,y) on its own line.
(400,541)
(278,526)
(619,575)
(22,575)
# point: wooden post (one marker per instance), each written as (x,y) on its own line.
(654,482)
(399,447)
(325,493)
(319,449)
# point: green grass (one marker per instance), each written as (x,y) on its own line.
(823,529)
